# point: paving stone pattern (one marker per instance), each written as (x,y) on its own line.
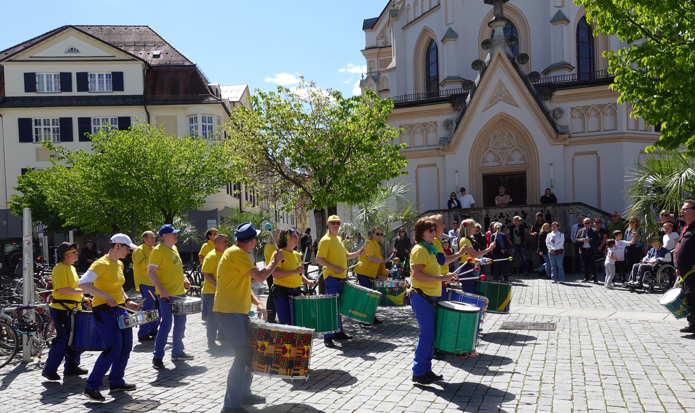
(590,363)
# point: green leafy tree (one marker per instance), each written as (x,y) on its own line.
(657,70)
(311,148)
(34,187)
(236,216)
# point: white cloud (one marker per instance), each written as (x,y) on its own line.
(356,90)
(284,79)
(353,69)
(348,81)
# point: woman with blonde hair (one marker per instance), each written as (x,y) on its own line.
(372,262)
(468,228)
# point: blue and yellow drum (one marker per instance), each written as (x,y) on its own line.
(676,302)
(455,328)
(499,294)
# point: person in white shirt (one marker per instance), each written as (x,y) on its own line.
(609,264)
(577,246)
(620,246)
(555,241)
(670,239)
(466,200)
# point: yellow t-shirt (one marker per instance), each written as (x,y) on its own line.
(420,256)
(141,262)
(169,268)
(64,276)
(206,248)
(333,251)
(368,268)
(443,269)
(233,284)
(268,253)
(110,279)
(210,267)
(464,257)
(292,261)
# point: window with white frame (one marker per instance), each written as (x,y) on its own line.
(193,125)
(103,123)
(46,130)
(203,125)
(48,82)
(100,82)
(207,128)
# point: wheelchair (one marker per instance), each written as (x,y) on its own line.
(661,278)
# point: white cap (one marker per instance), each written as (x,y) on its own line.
(123,239)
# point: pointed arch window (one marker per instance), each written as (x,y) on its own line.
(432,68)
(510,30)
(585,50)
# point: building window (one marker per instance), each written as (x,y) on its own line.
(48,82)
(103,123)
(46,130)
(72,49)
(192,125)
(585,50)
(100,82)
(510,30)
(207,128)
(432,68)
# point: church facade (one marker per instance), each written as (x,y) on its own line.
(494,93)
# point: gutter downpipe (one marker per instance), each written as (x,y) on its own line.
(144,93)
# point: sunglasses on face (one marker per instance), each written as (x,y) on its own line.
(71,251)
(431,230)
(378,234)
(334,223)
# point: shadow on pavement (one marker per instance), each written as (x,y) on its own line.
(169,377)
(510,338)
(472,396)
(362,348)
(480,365)
(327,378)
(287,407)
(10,373)
(122,402)
(56,393)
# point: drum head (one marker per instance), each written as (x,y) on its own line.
(671,295)
(459,307)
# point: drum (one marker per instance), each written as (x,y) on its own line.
(143,317)
(392,292)
(676,302)
(187,305)
(84,335)
(318,312)
(499,294)
(479,301)
(455,327)
(359,303)
(280,350)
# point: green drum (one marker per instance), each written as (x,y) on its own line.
(455,327)
(499,294)
(319,312)
(359,303)
(392,292)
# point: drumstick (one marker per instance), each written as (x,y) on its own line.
(353,266)
(43,292)
(268,228)
(140,303)
(127,309)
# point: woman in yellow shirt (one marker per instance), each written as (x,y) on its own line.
(427,285)
(288,276)
(466,230)
(66,296)
(372,262)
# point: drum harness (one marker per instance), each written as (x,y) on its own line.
(280,291)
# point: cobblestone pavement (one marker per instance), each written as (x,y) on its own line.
(593,361)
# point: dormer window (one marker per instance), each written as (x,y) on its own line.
(72,50)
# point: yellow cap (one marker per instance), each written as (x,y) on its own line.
(333,218)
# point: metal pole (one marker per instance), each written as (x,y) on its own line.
(28,260)
(46,258)
(71,236)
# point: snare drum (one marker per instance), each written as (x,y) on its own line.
(479,301)
(318,312)
(359,303)
(499,294)
(455,327)
(83,334)
(676,302)
(280,350)
(392,292)
(143,317)
(185,306)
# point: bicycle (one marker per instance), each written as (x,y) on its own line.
(31,321)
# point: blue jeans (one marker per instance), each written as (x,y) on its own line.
(365,281)
(521,248)
(59,345)
(424,313)
(333,286)
(211,324)
(148,304)
(165,320)
(119,343)
(546,266)
(558,272)
(235,327)
(283,305)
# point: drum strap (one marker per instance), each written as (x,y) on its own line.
(280,291)
(686,275)
(425,296)
(63,302)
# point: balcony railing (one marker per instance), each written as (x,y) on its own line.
(439,94)
(574,77)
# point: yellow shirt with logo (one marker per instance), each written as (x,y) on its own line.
(233,284)
(110,279)
(292,261)
(210,267)
(443,269)
(420,256)
(141,262)
(64,276)
(465,257)
(169,268)
(333,251)
(368,268)
(206,248)
(268,253)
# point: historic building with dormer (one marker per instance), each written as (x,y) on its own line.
(499,92)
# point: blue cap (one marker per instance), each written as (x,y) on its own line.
(168,229)
(245,232)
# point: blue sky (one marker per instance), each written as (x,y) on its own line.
(258,42)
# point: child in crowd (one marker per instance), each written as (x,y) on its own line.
(620,246)
(654,256)
(609,264)
(397,269)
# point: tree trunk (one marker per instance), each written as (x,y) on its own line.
(321,225)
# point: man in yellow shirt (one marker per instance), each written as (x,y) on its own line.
(210,234)
(166,273)
(233,300)
(141,262)
(209,271)
(333,256)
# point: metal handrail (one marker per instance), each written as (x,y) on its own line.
(444,93)
(574,77)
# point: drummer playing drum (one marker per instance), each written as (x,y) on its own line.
(289,275)
(427,284)
(372,263)
(209,271)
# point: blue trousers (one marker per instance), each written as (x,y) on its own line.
(468,286)
(557,270)
(211,324)
(546,265)
(119,343)
(148,304)
(424,313)
(365,281)
(235,327)
(283,305)
(59,345)
(165,321)
(333,286)
(521,249)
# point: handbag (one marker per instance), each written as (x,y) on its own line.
(559,252)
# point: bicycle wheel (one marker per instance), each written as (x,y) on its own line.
(9,343)
(48,332)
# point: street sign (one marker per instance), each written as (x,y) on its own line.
(40,228)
